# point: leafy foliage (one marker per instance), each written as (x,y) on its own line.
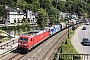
(50,7)
(41,17)
(3,12)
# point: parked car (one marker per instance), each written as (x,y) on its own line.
(84,28)
(87,23)
(86,41)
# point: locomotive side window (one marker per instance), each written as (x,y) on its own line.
(31,39)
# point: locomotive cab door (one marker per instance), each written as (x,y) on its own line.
(31,41)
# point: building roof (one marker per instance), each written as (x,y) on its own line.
(9,9)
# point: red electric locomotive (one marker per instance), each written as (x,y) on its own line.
(28,40)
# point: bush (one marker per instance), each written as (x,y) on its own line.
(76,58)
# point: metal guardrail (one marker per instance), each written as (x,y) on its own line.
(72,56)
(7,52)
(8,44)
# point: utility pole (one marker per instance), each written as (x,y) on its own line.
(68,27)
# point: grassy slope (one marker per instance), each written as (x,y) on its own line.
(68,48)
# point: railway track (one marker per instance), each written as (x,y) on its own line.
(41,51)
(50,54)
(47,51)
(44,51)
(16,57)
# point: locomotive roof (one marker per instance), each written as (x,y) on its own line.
(34,32)
(49,27)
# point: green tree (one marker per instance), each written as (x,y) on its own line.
(45,4)
(22,4)
(3,12)
(41,17)
(52,19)
(8,2)
(28,20)
(60,5)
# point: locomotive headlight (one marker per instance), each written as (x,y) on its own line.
(25,44)
(19,43)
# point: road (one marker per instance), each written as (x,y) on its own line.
(82,34)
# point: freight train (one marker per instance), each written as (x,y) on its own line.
(30,39)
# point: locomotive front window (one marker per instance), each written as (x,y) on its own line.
(23,39)
(20,38)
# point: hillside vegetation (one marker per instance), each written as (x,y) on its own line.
(48,8)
